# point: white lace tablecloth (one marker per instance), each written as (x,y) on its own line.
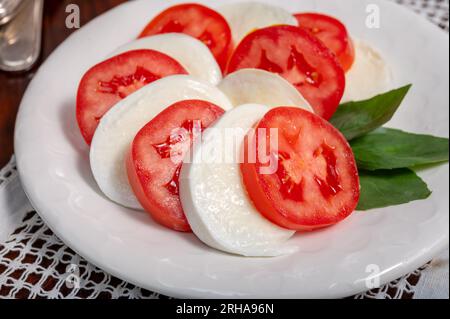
(34,263)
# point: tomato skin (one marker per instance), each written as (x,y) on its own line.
(108,82)
(153,176)
(315,209)
(198,21)
(300,58)
(332,33)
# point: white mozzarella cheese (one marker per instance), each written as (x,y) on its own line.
(261,87)
(246,17)
(370,75)
(213,195)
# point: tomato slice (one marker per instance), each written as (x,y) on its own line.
(315,182)
(199,22)
(332,33)
(154,161)
(114,79)
(300,58)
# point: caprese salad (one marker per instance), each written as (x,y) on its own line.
(240,124)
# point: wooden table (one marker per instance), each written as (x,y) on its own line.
(12,86)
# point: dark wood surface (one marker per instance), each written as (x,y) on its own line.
(13,86)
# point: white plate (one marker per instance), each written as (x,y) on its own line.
(54,167)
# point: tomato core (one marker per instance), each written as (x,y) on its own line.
(125,85)
(172,26)
(296,63)
(174,146)
(290,188)
(329,186)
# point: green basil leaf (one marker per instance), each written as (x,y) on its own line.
(355,119)
(388,188)
(389,148)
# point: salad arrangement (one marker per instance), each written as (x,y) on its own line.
(241,125)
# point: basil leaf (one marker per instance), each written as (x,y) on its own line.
(389,148)
(388,188)
(354,119)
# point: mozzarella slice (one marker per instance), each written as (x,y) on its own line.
(120,125)
(261,87)
(370,75)
(246,17)
(214,198)
(191,53)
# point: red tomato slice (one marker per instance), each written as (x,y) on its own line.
(300,58)
(332,33)
(199,22)
(154,161)
(114,79)
(315,183)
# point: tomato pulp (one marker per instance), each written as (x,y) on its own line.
(199,22)
(105,84)
(155,159)
(332,33)
(300,58)
(316,181)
